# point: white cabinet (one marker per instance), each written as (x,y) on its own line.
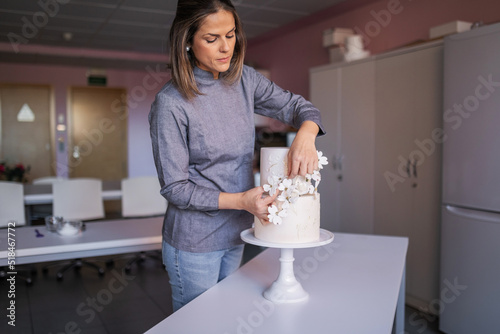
(346,97)
(383,117)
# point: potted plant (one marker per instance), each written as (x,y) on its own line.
(16,173)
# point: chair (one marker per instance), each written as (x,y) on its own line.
(12,210)
(37,212)
(78,199)
(141,198)
(11,203)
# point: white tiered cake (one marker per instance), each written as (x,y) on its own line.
(295,215)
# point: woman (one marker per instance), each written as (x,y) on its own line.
(202,130)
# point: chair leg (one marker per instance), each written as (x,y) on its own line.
(27,279)
(76,264)
(155,255)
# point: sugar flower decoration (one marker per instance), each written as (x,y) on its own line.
(322,160)
(291,189)
(275,216)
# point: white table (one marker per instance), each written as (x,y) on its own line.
(37,194)
(356,285)
(99,238)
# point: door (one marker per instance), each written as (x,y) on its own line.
(470,297)
(98,140)
(25,128)
(471,117)
(325,95)
(395,134)
(357,147)
(408,168)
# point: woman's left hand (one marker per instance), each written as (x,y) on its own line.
(303,157)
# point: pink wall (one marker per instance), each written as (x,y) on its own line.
(288,53)
(141,88)
(291,51)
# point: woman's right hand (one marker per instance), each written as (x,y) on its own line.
(256,202)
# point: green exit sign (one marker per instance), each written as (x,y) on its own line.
(96,81)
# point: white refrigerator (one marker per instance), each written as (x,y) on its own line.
(469,299)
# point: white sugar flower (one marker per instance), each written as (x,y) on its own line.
(272,186)
(282,197)
(300,184)
(316,176)
(272,216)
(294,196)
(322,160)
(311,189)
(277,217)
(285,185)
(282,214)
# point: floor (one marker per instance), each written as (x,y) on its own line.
(116,303)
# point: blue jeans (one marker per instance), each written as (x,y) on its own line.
(191,274)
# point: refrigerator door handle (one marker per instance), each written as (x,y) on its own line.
(474,214)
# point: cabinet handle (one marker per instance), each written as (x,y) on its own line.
(334,162)
(340,162)
(415,168)
(408,165)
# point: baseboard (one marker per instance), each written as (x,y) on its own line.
(421,305)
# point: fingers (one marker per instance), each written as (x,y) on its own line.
(302,165)
(270,199)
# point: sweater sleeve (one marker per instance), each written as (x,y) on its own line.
(292,109)
(169,137)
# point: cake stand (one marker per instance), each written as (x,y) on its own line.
(286,288)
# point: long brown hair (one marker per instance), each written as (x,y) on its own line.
(188,18)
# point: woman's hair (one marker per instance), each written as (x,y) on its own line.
(188,19)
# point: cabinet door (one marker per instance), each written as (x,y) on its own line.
(325,95)
(395,118)
(426,183)
(407,187)
(357,147)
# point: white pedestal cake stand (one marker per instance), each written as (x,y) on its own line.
(286,288)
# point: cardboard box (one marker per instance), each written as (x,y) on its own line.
(332,37)
(336,53)
(449,28)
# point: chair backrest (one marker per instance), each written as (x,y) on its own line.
(141,197)
(48,179)
(11,203)
(79,199)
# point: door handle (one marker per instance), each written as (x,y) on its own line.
(415,167)
(76,152)
(474,214)
(340,161)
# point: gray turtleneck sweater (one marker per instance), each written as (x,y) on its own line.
(205,146)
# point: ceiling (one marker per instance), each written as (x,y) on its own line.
(139,26)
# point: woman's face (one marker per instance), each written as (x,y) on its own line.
(213,43)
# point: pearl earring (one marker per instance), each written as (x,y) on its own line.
(188,48)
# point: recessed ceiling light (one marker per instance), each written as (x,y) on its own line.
(67,36)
